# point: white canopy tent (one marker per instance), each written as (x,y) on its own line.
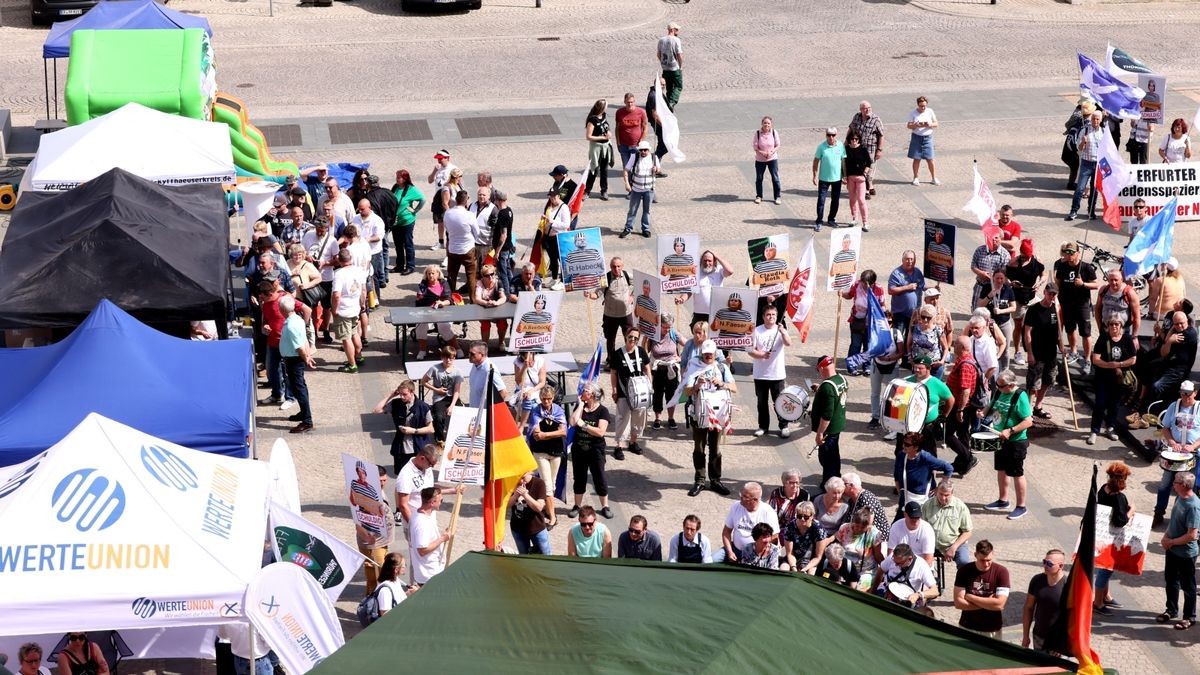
(115,529)
(164,148)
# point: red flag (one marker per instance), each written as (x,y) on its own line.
(507,458)
(800,293)
(1112,209)
(575,203)
(1072,630)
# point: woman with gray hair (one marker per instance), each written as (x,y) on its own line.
(831,510)
(591,421)
(837,567)
(804,540)
(787,497)
(664,369)
(1115,353)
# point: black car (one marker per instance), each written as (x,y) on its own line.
(410,5)
(45,12)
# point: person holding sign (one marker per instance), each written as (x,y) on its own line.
(844,264)
(713,272)
(679,264)
(860,316)
(732,322)
(426,543)
(770,341)
(537,323)
(646,310)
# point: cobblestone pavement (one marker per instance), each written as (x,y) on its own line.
(1004,110)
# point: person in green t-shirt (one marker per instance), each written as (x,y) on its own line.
(1013,415)
(829,417)
(827,176)
(941,400)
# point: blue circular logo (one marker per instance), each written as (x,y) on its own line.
(143,607)
(88,500)
(168,469)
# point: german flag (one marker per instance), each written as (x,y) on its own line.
(1072,630)
(506,459)
(540,261)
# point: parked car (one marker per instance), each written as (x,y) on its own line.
(410,5)
(46,12)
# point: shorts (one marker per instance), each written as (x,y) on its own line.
(920,147)
(1078,318)
(1019,312)
(344,327)
(1010,458)
(1041,375)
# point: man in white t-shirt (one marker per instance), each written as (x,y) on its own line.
(915,532)
(743,516)
(770,340)
(425,540)
(371,232)
(414,476)
(342,206)
(712,273)
(348,291)
(904,567)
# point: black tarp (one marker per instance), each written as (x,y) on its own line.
(159,253)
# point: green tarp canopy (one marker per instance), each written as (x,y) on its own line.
(494,613)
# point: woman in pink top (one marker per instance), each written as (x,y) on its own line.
(766,155)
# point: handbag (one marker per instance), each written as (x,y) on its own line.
(312,296)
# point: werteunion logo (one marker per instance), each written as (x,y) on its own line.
(143,607)
(168,469)
(88,499)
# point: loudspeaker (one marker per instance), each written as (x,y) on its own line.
(8,197)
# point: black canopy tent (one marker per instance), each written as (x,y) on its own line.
(159,253)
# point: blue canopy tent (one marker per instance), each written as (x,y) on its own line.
(197,394)
(110,15)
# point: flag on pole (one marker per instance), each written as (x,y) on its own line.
(879,336)
(1120,62)
(1112,175)
(1152,244)
(575,203)
(506,460)
(982,203)
(540,261)
(591,373)
(1115,96)
(1071,632)
(668,123)
(800,294)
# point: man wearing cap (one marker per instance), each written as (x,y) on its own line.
(639,175)
(905,286)
(438,177)
(941,315)
(829,417)
(710,376)
(1076,280)
(293,347)
(632,127)
(1013,417)
(314,181)
(1026,274)
(1180,432)
(914,532)
(1043,343)
(670,58)
(565,187)
(827,176)
(988,257)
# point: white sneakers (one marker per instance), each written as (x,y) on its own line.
(785,432)
(916,181)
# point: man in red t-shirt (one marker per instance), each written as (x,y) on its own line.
(961,419)
(272,327)
(1010,230)
(632,127)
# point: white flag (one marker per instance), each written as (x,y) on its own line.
(331,563)
(800,293)
(668,123)
(296,619)
(982,203)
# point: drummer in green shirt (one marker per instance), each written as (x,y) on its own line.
(940,403)
(1013,415)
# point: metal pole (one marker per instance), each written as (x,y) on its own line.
(271,7)
(55,88)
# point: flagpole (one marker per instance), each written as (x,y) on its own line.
(591,320)
(458,493)
(837,327)
(1071,392)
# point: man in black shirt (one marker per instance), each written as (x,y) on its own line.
(1076,283)
(1043,342)
(1025,273)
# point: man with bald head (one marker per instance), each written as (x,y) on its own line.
(870,128)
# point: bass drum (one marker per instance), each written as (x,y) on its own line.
(714,410)
(904,406)
(792,403)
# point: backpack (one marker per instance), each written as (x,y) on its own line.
(368,609)
(979,398)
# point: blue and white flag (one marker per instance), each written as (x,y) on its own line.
(1113,95)
(879,332)
(1152,244)
(591,373)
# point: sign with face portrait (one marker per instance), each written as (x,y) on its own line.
(534,317)
(844,247)
(463,460)
(678,259)
(582,254)
(1154,102)
(647,303)
(369,507)
(732,322)
(769,264)
(939,251)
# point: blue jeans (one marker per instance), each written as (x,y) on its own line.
(1105,410)
(294,367)
(626,151)
(759,168)
(535,544)
(379,268)
(263,666)
(1087,176)
(642,199)
(504,267)
(833,190)
(406,253)
(858,344)
(275,376)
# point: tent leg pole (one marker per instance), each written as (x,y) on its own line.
(55,88)
(253,648)
(46,85)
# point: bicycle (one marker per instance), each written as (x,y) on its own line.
(1140,283)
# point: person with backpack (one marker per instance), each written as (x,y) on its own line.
(969,387)
(1014,416)
(766,156)
(618,303)
(390,592)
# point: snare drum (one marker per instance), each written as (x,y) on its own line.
(792,403)
(1170,460)
(899,593)
(714,409)
(639,391)
(904,406)
(985,441)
